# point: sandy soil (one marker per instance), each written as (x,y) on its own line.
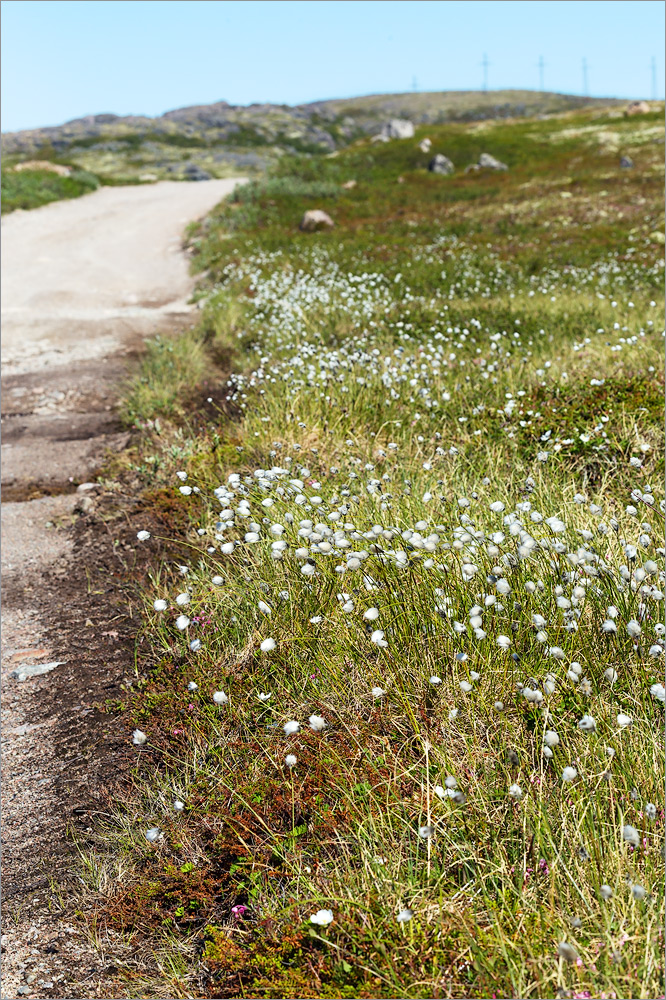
(83,282)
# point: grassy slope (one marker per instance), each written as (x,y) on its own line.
(32,188)
(453,342)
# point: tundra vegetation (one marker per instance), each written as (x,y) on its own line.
(398,706)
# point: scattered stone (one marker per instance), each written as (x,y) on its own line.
(425,145)
(86,487)
(398,128)
(27,727)
(193,172)
(472,168)
(315,219)
(626,162)
(84,505)
(349,185)
(440,164)
(637,108)
(35,670)
(380,137)
(491,163)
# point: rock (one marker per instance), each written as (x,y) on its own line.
(349,185)
(35,670)
(626,162)
(193,172)
(472,168)
(440,164)
(398,128)
(84,505)
(637,108)
(315,219)
(425,145)
(380,138)
(491,163)
(86,487)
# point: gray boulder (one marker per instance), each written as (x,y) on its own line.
(398,128)
(626,162)
(315,219)
(491,163)
(193,172)
(440,164)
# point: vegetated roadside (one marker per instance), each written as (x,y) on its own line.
(398,718)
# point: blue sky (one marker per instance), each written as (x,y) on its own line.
(62,59)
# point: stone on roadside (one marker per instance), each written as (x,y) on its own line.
(193,172)
(491,163)
(35,670)
(440,164)
(398,128)
(315,219)
(626,162)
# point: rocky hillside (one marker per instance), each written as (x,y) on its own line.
(218,139)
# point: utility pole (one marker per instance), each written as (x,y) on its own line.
(541,65)
(585,87)
(485,65)
(654,79)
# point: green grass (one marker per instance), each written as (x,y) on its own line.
(32,188)
(452,343)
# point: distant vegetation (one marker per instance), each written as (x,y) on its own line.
(222,140)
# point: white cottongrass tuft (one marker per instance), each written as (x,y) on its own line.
(569,773)
(377,692)
(138,738)
(160,604)
(631,835)
(404,916)
(322,918)
(262,696)
(264,608)
(587,724)
(267,645)
(378,638)
(153,834)
(220,698)
(371,614)
(291,727)
(624,720)
(503,641)
(290,760)
(567,952)
(143,535)
(317,723)
(182,621)
(515,792)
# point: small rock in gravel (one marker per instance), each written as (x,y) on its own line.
(35,670)
(86,487)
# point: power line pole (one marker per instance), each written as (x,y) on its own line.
(541,65)
(485,65)
(585,87)
(654,79)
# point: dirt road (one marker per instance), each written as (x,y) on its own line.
(83,281)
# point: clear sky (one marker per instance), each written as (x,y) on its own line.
(62,59)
